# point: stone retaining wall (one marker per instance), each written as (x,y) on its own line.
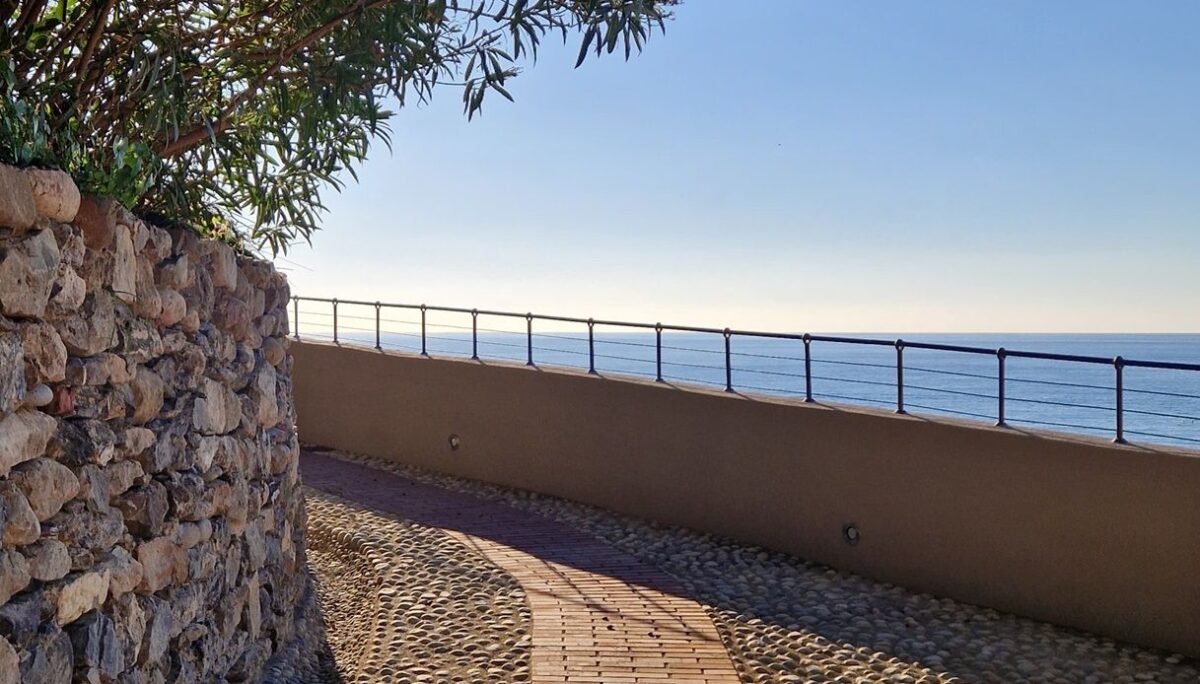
(151,518)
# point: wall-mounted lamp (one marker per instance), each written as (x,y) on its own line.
(851,534)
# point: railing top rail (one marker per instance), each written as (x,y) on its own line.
(875,342)
(1047,356)
(867,341)
(1163,365)
(934,346)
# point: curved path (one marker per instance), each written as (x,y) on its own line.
(599,615)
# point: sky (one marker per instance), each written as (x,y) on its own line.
(787,165)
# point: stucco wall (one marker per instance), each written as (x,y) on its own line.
(1077,532)
(151,523)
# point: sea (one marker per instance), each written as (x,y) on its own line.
(1161,407)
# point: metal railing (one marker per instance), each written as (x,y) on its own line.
(1002,356)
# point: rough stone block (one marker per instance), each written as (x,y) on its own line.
(173,273)
(47,485)
(85,441)
(21,616)
(158,247)
(188,534)
(264,395)
(121,476)
(234,315)
(124,273)
(256,545)
(146,391)
(21,525)
(116,368)
(55,195)
(28,269)
(224,267)
(159,625)
(217,410)
(49,559)
(187,605)
(93,485)
(44,352)
(206,451)
(9,674)
(140,341)
(23,437)
(144,509)
(194,499)
(130,619)
(161,559)
(93,328)
(49,659)
(14,574)
(18,209)
(124,572)
(85,529)
(149,303)
(273,351)
(138,440)
(97,218)
(79,593)
(71,292)
(174,307)
(96,647)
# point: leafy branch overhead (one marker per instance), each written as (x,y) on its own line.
(234,115)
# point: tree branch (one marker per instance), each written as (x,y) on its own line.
(201,133)
(93,41)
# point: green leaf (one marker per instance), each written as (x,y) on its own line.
(587,42)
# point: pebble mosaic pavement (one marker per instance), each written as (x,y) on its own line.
(620,600)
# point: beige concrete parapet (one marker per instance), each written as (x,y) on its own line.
(1075,531)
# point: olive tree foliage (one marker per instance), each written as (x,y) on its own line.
(234,115)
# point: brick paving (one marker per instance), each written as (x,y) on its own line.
(599,615)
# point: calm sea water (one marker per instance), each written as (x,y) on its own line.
(1161,406)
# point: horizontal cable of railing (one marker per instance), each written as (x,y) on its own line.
(332,320)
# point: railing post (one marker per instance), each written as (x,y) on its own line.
(335,330)
(728,362)
(296,317)
(378,345)
(1119,367)
(899,376)
(529,339)
(475,334)
(1000,355)
(424,351)
(591,346)
(658,352)
(808,398)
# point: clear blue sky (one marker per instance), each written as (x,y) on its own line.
(795,165)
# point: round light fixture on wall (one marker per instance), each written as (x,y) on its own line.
(851,533)
(455,442)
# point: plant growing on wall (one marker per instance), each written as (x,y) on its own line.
(234,115)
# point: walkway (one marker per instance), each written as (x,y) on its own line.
(599,615)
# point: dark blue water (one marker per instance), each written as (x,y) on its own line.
(1161,406)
